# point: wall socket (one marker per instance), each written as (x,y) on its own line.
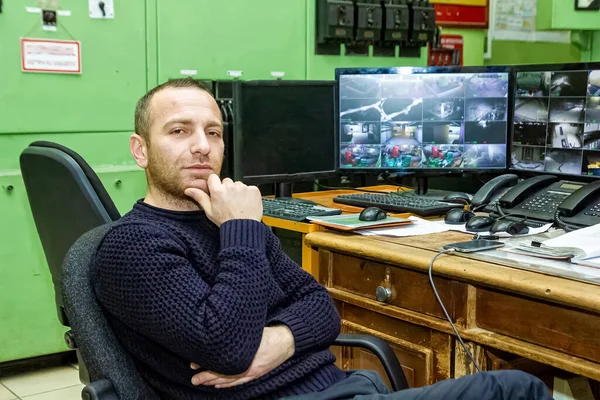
(102,9)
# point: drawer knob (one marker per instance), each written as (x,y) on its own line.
(383,294)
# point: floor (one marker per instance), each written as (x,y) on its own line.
(57,383)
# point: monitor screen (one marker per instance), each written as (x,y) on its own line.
(556,125)
(284,130)
(423,118)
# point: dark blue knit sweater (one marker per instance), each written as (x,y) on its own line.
(176,288)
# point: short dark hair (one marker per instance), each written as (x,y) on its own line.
(142,109)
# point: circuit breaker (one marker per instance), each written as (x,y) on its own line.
(423,22)
(397,21)
(369,22)
(335,25)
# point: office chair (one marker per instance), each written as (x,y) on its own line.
(82,216)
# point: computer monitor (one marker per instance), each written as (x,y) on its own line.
(285,131)
(424,120)
(556,125)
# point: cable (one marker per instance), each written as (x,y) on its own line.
(437,296)
(563,225)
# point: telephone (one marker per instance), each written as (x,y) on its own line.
(582,208)
(537,198)
(492,191)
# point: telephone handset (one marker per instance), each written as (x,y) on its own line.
(582,207)
(493,188)
(537,198)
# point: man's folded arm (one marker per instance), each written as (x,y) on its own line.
(144,278)
(308,309)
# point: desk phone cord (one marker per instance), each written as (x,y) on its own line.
(437,296)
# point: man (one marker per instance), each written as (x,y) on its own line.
(198,290)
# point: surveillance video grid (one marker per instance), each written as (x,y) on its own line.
(425,121)
(557,121)
(591,163)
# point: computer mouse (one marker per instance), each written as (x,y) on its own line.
(458,216)
(510,227)
(372,214)
(458,197)
(480,224)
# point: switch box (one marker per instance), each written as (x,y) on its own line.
(397,21)
(335,25)
(369,22)
(423,22)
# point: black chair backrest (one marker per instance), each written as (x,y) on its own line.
(67,199)
(100,350)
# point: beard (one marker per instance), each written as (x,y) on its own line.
(166,178)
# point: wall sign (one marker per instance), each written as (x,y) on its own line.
(51,56)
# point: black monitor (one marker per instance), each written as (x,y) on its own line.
(426,120)
(556,125)
(285,131)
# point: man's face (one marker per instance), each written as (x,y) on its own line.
(186,141)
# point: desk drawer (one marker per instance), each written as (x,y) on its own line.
(410,289)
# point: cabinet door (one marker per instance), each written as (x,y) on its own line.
(102,98)
(213,37)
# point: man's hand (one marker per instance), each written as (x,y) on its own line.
(228,200)
(276,346)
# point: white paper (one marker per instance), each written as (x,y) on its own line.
(418,227)
(64,13)
(463,228)
(33,10)
(49,28)
(586,239)
(40,55)
(188,72)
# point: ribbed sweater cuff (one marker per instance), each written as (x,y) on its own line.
(243,233)
(303,338)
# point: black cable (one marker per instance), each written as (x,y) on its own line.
(348,188)
(564,225)
(437,296)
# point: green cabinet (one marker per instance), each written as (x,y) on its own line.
(213,37)
(113,59)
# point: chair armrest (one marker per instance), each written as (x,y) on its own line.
(99,390)
(383,351)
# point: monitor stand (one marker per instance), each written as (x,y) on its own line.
(284,190)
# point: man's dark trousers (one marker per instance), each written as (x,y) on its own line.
(495,385)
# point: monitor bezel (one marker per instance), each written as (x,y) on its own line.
(428,70)
(238,139)
(546,68)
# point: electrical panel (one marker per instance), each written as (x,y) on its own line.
(383,24)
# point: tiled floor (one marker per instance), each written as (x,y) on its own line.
(58,383)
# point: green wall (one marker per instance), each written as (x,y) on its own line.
(512,52)
(148,42)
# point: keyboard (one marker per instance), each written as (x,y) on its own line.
(295,209)
(418,205)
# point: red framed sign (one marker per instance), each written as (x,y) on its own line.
(465,16)
(51,56)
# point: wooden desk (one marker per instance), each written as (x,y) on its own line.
(510,318)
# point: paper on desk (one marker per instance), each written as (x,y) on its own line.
(585,241)
(418,227)
(463,228)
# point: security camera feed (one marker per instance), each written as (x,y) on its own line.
(410,120)
(591,163)
(594,84)
(569,84)
(567,110)
(592,110)
(591,136)
(533,84)
(530,134)
(565,136)
(531,110)
(485,110)
(569,136)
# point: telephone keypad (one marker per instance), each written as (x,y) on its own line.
(546,202)
(594,211)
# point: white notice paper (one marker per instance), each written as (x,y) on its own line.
(53,56)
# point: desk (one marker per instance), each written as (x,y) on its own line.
(510,318)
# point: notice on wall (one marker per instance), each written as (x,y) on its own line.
(51,56)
